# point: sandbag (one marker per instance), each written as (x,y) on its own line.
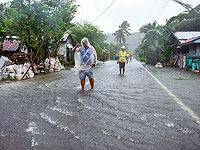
(18,76)
(18,69)
(10,69)
(30,74)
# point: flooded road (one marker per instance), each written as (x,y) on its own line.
(125,112)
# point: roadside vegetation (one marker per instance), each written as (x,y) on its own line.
(157,41)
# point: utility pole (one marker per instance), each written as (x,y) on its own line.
(109,54)
(156,45)
(187,6)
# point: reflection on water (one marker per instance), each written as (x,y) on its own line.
(122,112)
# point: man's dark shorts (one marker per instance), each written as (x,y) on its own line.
(121,65)
(88,73)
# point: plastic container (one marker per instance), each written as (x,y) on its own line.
(30,74)
(12,75)
(18,76)
(10,69)
(18,69)
(5,75)
(1,76)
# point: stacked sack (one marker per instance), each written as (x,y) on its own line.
(57,65)
(4,61)
(17,71)
(52,64)
(10,71)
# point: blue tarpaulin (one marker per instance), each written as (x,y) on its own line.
(197,41)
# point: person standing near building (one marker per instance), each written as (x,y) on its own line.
(88,60)
(122,57)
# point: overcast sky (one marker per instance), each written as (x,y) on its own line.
(136,12)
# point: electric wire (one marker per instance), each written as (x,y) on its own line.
(162,10)
(104,11)
(152,7)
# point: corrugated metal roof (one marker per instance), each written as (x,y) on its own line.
(189,41)
(183,36)
(10,46)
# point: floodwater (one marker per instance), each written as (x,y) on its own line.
(123,112)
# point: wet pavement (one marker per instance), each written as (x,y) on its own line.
(131,111)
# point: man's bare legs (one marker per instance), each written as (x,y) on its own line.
(92,83)
(82,84)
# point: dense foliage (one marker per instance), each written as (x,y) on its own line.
(156,44)
(32,21)
(122,32)
(96,38)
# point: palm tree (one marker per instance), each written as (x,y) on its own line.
(124,30)
(147,27)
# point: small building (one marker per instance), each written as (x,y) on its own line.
(186,50)
(192,49)
(10,47)
(65,50)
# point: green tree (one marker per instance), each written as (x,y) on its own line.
(93,33)
(122,32)
(3,14)
(156,44)
(191,21)
(30,19)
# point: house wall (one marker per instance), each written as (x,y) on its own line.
(69,41)
(62,49)
(69,54)
(194,51)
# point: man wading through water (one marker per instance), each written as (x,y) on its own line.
(122,57)
(88,60)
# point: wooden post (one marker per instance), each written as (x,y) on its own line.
(31,59)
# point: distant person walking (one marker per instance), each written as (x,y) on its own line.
(127,57)
(88,59)
(130,57)
(122,57)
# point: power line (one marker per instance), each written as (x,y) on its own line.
(154,4)
(162,10)
(152,7)
(104,11)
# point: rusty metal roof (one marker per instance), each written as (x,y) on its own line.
(10,45)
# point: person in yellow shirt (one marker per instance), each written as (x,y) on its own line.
(127,57)
(122,57)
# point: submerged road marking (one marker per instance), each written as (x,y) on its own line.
(111,68)
(177,100)
(79,87)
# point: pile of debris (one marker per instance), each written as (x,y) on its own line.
(9,70)
(159,65)
(51,65)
